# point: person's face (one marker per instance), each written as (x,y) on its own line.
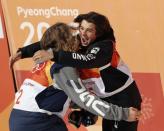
(87,32)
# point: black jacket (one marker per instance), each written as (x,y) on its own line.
(97,55)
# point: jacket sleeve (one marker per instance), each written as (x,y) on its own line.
(68,80)
(28,51)
(98,55)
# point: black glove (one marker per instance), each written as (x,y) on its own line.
(88,119)
(82,117)
(75,118)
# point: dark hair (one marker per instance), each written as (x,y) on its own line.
(59,36)
(101,22)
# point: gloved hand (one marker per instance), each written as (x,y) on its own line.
(89,119)
(75,118)
(82,117)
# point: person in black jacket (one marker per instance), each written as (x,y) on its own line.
(113,80)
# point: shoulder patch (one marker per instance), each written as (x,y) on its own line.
(95,50)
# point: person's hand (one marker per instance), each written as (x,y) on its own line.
(14,58)
(42,56)
(78,117)
(75,118)
(134,114)
(89,119)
